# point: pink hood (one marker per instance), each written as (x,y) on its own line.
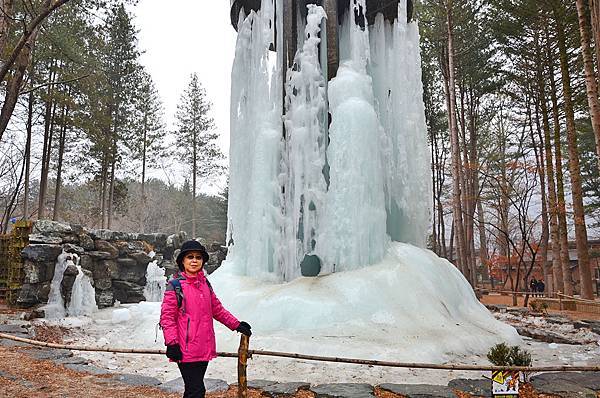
(191,326)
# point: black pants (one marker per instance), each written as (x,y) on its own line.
(193,378)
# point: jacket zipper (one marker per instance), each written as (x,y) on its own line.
(187,334)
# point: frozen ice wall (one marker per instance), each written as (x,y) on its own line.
(56,306)
(304,163)
(253,230)
(325,191)
(394,51)
(353,229)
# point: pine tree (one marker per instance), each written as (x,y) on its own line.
(146,140)
(196,138)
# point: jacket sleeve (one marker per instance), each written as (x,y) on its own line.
(169,312)
(221,314)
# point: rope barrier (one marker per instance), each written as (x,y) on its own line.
(318,358)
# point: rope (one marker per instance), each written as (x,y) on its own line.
(319,358)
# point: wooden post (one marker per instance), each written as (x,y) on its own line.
(242,364)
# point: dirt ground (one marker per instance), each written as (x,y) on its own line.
(507,300)
(26,377)
(22,376)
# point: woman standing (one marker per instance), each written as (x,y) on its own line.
(186,317)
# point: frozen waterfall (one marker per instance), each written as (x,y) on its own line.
(83,295)
(156,282)
(324,178)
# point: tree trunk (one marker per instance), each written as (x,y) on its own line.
(13,85)
(47,149)
(455,149)
(590,74)
(567,286)
(143,209)
(595,8)
(194,174)
(575,172)
(28,128)
(6,20)
(539,160)
(61,151)
(557,277)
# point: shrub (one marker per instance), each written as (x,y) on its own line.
(503,355)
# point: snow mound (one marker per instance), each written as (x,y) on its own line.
(411,306)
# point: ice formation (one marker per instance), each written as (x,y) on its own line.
(256,102)
(347,172)
(56,305)
(156,282)
(83,295)
(340,191)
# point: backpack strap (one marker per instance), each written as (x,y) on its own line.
(175,284)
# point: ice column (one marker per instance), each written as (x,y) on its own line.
(254,217)
(156,282)
(56,306)
(304,163)
(353,228)
(394,51)
(83,295)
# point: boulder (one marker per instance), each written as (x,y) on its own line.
(86,242)
(86,262)
(127,292)
(344,390)
(142,258)
(51,228)
(33,272)
(129,247)
(104,246)
(132,273)
(32,294)
(284,389)
(51,240)
(419,390)
(106,269)
(103,283)
(72,248)
(104,298)
(98,255)
(41,253)
(126,262)
(476,387)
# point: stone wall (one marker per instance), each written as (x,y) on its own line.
(115,261)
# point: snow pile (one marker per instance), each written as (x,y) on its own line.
(411,306)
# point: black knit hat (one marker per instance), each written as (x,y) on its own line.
(191,246)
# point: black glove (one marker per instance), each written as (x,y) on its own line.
(244,328)
(174,352)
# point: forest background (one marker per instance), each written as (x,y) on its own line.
(510,90)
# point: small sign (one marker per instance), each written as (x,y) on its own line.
(505,383)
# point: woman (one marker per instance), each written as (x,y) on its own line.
(186,317)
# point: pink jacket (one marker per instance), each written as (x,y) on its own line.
(191,326)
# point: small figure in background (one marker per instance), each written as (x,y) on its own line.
(541,286)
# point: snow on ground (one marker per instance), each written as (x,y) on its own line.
(411,307)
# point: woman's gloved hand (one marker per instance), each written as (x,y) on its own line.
(174,352)
(244,328)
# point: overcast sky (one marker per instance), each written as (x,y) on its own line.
(181,37)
